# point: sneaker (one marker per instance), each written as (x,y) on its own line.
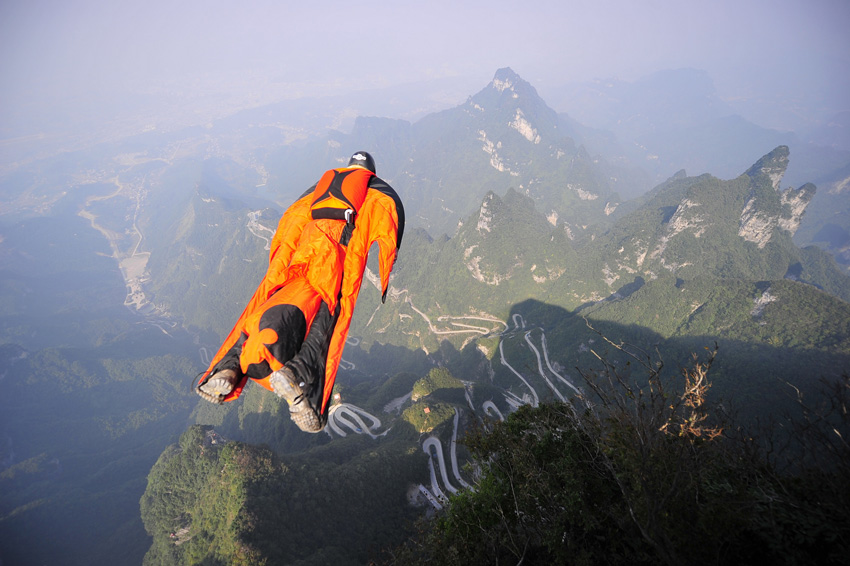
(290,388)
(219,386)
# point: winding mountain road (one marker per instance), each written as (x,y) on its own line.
(535,400)
(351,416)
(490,408)
(434,448)
(464,328)
(435,485)
(540,367)
(453,453)
(549,365)
(427,445)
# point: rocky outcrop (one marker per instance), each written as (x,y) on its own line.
(755,225)
(767,210)
(794,204)
(771,167)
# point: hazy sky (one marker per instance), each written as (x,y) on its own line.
(78,50)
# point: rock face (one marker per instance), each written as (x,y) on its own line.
(771,167)
(769,210)
(795,203)
(756,226)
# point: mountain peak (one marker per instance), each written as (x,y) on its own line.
(771,167)
(512,94)
(505,78)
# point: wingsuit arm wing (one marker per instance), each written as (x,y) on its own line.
(283,243)
(381,220)
(389,240)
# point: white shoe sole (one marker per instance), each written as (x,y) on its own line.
(285,385)
(218,386)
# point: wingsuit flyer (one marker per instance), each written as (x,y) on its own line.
(290,337)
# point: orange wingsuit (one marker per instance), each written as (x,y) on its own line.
(301,312)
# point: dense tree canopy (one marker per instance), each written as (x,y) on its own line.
(647,474)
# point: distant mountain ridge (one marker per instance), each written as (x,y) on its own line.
(674,120)
(704,223)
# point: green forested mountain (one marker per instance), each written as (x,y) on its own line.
(504,136)
(213,501)
(705,227)
(688,229)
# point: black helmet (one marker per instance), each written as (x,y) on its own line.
(362,159)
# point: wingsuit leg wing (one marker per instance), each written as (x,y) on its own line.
(272,335)
(283,246)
